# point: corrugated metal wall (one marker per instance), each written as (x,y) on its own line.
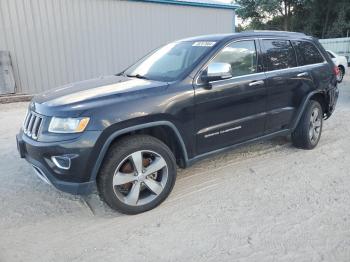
(341,46)
(54,42)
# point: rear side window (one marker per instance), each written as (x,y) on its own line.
(307,53)
(279,54)
(241,56)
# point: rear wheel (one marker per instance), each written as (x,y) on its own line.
(308,132)
(138,174)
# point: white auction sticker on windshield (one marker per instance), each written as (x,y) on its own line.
(204,43)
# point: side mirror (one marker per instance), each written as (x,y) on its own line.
(217,71)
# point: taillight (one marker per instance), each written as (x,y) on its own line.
(336,70)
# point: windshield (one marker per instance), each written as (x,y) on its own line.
(169,62)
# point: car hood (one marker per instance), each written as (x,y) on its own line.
(81,95)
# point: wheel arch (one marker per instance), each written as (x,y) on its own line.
(158,129)
(342,68)
(318,95)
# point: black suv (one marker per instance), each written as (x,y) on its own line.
(184,101)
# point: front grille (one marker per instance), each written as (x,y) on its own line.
(32,124)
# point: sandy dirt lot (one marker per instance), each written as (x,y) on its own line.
(263,202)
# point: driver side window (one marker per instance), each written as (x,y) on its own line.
(241,56)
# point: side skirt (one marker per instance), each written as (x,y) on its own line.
(191,161)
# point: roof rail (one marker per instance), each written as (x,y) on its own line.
(272,31)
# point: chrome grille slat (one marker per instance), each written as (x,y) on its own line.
(25,124)
(32,124)
(35,128)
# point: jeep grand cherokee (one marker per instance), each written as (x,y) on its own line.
(189,99)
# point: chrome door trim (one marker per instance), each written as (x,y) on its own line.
(303,74)
(256,83)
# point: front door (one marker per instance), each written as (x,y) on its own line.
(232,110)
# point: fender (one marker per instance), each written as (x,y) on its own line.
(130,129)
(303,106)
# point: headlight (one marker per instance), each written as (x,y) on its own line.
(68,125)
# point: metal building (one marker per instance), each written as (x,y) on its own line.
(54,42)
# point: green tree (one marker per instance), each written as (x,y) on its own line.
(260,12)
(320,18)
(341,23)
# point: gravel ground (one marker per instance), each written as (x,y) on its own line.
(263,202)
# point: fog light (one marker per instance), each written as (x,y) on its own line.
(62,162)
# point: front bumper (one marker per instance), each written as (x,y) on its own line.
(76,179)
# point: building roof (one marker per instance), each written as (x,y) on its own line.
(199,3)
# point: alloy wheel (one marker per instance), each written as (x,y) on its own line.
(140,178)
(315,125)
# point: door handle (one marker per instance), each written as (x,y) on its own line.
(256,83)
(303,74)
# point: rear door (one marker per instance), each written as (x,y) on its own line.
(286,83)
(232,110)
(311,60)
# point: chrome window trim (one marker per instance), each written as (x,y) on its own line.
(267,72)
(236,77)
(295,67)
(258,73)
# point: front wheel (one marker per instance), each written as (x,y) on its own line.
(308,132)
(138,174)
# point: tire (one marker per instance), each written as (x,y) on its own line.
(341,74)
(308,131)
(123,174)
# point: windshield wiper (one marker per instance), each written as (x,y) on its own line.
(138,76)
